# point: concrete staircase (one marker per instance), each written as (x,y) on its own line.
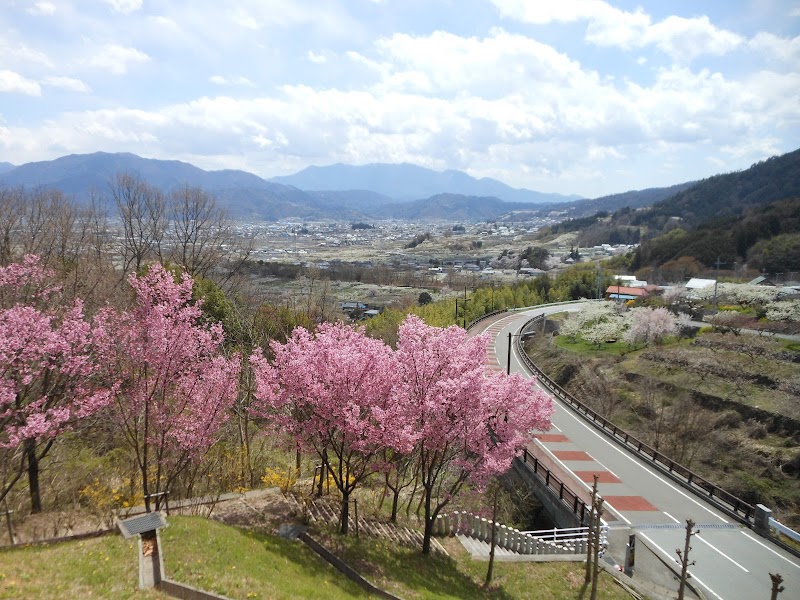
(326,510)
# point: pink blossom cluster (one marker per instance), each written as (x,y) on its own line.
(49,372)
(175,388)
(349,397)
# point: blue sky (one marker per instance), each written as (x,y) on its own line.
(573,96)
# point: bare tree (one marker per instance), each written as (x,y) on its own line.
(684,556)
(142,211)
(10,215)
(777,588)
(201,233)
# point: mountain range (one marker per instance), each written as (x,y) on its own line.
(390,191)
(377,191)
(409,182)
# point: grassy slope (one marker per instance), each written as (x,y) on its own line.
(244,564)
(103,567)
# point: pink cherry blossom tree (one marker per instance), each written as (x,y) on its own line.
(332,392)
(468,425)
(175,385)
(49,369)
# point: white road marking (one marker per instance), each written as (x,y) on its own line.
(794,564)
(697,579)
(583,483)
(605,467)
(670,557)
(633,460)
(721,552)
(671,517)
(624,453)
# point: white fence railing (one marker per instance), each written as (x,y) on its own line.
(551,541)
(783,529)
(570,534)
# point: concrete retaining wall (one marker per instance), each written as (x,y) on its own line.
(561,515)
(343,567)
(186,592)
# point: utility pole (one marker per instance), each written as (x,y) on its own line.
(599,282)
(716,281)
(684,556)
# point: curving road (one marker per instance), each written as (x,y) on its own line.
(732,562)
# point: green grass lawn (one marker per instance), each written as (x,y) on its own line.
(408,574)
(243,564)
(104,567)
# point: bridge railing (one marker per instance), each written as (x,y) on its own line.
(725,501)
(550,480)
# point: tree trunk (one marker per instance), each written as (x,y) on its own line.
(395,502)
(426,540)
(490,570)
(345,513)
(33,475)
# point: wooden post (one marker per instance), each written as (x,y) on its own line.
(10,526)
(589,537)
(596,550)
(684,556)
(777,588)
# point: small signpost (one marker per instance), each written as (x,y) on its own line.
(630,555)
(151,562)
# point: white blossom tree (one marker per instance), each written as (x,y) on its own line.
(649,325)
(784,310)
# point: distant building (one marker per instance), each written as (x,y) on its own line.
(630,281)
(622,292)
(761,280)
(348,306)
(695,283)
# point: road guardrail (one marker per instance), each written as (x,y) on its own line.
(723,500)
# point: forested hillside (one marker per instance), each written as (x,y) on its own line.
(750,216)
(767,237)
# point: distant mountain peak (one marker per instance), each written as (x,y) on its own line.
(407,181)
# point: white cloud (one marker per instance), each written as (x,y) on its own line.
(501,103)
(42,8)
(444,62)
(15,83)
(678,37)
(323,15)
(116,58)
(220,80)
(67,83)
(542,13)
(11,53)
(777,48)
(124,6)
(688,38)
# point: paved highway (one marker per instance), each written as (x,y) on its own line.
(732,562)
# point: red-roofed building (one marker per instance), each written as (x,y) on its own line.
(621,292)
